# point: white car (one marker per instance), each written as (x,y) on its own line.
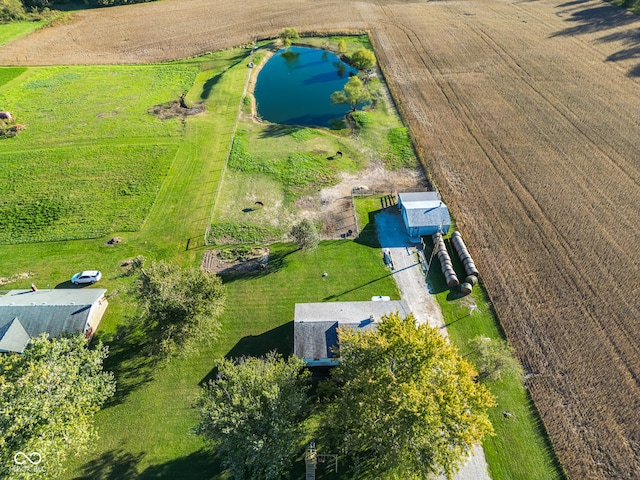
(88,276)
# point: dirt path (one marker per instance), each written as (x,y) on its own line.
(413,287)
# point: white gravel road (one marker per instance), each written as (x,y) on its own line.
(413,287)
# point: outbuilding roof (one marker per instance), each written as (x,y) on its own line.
(315,324)
(424,209)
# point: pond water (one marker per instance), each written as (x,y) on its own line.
(294,87)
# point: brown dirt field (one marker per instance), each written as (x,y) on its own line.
(527,116)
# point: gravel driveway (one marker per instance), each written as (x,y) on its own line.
(411,282)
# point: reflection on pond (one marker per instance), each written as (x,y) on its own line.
(294,87)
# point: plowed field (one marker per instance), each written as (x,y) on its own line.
(527,115)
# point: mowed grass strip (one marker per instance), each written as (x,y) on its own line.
(183,210)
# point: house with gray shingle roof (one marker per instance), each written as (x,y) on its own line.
(29,313)
(423,213)
(315,326)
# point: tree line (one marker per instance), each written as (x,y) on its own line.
(33,10)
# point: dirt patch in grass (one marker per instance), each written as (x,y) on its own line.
(233,262)
(175,110)
(15,278)
(332,206)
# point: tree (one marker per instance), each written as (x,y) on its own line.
(48,397)
(306,234)
(409,404)
(252,412)
(287,35)
(342,47)
(494,358)
(354,93)
(363,59)
(179,306)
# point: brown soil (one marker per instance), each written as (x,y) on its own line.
(216,262)
(526,115)
(175,110)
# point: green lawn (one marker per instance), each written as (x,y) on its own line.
(149,430)
(11,31)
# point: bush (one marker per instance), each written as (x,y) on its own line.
(493,358)
(306,235)
(11,11)
(361,119)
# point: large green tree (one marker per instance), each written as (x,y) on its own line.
(354,93)
(363,59)
(410,404)
(48,397)
(288,35)
(252,412)
(180,306)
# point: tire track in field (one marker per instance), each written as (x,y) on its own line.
(535,215)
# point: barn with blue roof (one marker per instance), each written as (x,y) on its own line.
(423,213)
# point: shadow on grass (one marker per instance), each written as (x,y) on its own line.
(213,81)
(338,295)
(279,339)
(275,130)
(127,359)
(369,234)
(119,465)
(69,284)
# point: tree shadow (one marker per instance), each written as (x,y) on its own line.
(111,465)
(209,84)
(118,465)
(213,81)
(279,339)
(597,19)
(275,130)
(128,359)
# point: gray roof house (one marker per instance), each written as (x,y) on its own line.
(423,213)
(315,326)
(28,313)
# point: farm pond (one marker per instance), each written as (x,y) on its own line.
(294,87)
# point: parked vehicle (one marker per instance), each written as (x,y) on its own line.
(88,276)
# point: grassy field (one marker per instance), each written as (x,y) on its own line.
(281,166)
(145,431)
(11,31)
(525,115)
